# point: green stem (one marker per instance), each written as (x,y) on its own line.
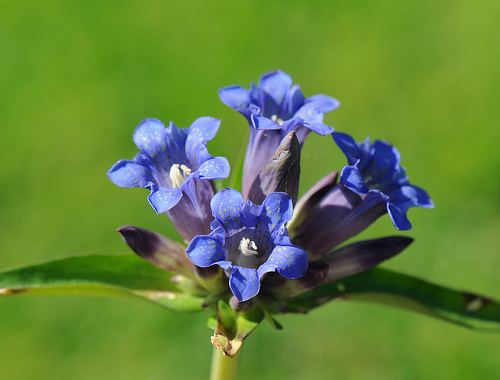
(223,367)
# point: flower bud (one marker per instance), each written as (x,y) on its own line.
(345,262)
(329,215)
(281,174)
(158,250)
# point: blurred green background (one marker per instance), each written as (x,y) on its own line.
(77,76)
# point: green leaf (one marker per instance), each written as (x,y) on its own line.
(99,275)
(400,290)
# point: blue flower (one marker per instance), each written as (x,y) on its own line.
(248,241)
(277,105)
(174,164)
(375,169)
(274,108)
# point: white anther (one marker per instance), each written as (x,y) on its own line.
(277,120)
(178,174)
(187,171)
(248,247)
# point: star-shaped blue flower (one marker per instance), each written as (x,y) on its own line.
(375,169)
(169,159)
(275,104)
(174,164)
(248,241)
(274,108)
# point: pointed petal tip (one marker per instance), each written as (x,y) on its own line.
(429,204)
(290,142)
(164,199)
(142,242)
(125,229)
(401,241)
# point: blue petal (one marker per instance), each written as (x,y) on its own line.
(163,199)
(262,103)
(206,127)
(130,174)
(149,136)
(315,108)
(276,84)
(289,261)
(175,152)
(244,283)
(215,168)
(293,101)
(201,131)
(226,206)
(250,213)
(323,103)
(235,97)
(207,250)
(398,217)
(348,146)
(384,167)
(292,125)
(320,128)
(353,180)
(261,122)
(410,196)
(419,195)
(279,210)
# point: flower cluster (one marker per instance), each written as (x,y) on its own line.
(263,240)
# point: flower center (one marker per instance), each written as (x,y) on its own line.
(178,174)
(248,247)
(277,120)
(372,183)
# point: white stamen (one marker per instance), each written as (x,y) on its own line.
(248,247)
(277,120)
(187,171)
(178,174)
